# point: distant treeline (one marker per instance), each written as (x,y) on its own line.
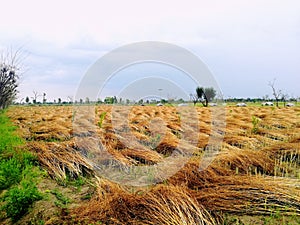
(114,100)
(254,100)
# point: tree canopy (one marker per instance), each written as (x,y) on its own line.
(8,79)
(204,95)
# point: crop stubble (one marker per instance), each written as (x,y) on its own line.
(256,171)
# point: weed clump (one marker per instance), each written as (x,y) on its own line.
(18,175)
(18,199)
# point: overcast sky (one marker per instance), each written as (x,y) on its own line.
(245,44)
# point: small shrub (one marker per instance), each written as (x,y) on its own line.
(8,141)
(255,123)
(18,199)
(27,158)
(17,172)
(10,173)
(101,119)
(11,169)
(78,182)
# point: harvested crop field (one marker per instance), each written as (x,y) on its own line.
(256,172)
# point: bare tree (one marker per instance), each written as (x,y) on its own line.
(265,97)
(70,99)
(276,93)
(21,100)
(284,98)
(27,100)
(44,98)
(9,76)
(194,98)
(35,96)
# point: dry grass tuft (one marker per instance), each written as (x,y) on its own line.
(160,205)
(60,159)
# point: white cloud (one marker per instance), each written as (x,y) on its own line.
(235,38)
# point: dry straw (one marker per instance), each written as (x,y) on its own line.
(256,172)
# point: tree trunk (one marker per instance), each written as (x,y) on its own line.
(205,101)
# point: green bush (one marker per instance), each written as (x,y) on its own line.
(10,173)
(18,199)
(101,119)
(255,123)
(18,173)
(8,141)
(26,158)
(11,169)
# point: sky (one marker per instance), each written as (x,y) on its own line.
(245,44)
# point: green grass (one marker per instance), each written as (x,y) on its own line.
(18,173)
(8,142)
(274,219)
(101,119)
(62,200)
(19,198)
(255,123)
(10,173)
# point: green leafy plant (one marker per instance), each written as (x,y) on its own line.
(18,175)
(10,173)
(101,119)
(255,123)
(19,198)
(62,200)
(11,168)
(8,141)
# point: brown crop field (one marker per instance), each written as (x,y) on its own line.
(254,176)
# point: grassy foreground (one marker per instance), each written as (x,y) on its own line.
(18,173)
(28,195)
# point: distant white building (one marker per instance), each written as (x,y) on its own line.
(241,104)
(290,104)
(267,104)
(183,104)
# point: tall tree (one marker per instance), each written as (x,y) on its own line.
(70,99)
(44,98)
(194,98)
(35,97)
(115,100)
(276,93)
(27,100)
(284,98)
(205,95)
(9,76)
(109,100)
(210,94)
